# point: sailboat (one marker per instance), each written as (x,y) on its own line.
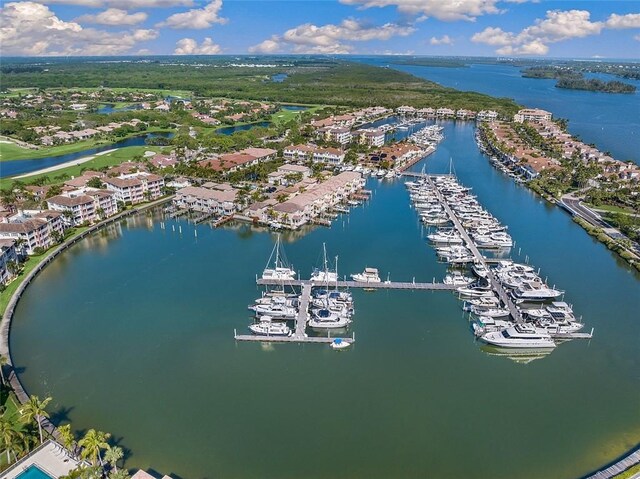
(324,275)
(279,271)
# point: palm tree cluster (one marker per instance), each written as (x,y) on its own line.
(21,430)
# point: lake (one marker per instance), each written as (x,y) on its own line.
(131,332)
(20,167)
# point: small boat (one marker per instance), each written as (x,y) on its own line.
(326,319)
(457,279)
(369,275)
(266,327)
(339,343)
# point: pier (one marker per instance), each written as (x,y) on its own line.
(495,284)
(357,284)
(299,335)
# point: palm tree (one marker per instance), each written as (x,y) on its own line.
(10,436)
(3,362)
(35,410)
(92,443)
(112,455)
(66,436)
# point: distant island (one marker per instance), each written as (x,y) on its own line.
(573,80)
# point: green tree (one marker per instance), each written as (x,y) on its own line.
(67,437)
(3,362)
(11,436)
(95,182)
(92,443)
(112,455)
(34,410)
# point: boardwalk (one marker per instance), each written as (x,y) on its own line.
(618,467)
(495,284)
(303,311)
(357,284)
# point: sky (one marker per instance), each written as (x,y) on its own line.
(537,28)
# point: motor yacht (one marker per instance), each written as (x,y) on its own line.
(520,336)
(266,327)
(369,275)
(327,319)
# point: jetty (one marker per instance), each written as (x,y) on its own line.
(358,284)
(299,335)
(493,281)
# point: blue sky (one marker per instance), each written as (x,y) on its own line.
(582,29)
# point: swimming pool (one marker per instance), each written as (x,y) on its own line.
(33,472)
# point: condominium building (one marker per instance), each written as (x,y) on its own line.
(532,114)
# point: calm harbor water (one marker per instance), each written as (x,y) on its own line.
(611,121)
(20,167)
(131,331)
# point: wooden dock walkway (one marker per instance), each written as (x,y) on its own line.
(357,284)
(303,311)
(618,467)
(495,284)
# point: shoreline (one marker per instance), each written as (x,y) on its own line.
(61,166)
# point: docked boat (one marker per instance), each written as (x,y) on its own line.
(325,275)
(275,311)
(369,275)
(457,279)
(279,271)
(266,327)
(520,336)
(327,319)
(488,324)
(492,312)
(535,291)
(339,343)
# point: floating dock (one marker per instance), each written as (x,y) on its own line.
(495,284)
(299,335)
(357,284)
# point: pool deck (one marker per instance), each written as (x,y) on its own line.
(50,457)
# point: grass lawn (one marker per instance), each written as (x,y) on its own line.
(629,472)
(610,209)
(109,159)
(9,152)
(283,116)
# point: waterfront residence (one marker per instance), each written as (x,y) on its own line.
(313,202)
(371,137)
(50,460)
(487,115)
(298,152)
(76,209)
(426,112)
(8,254)
(135,187)
(341,135)
(331,156)
(531,114)
(445,113)
(205,200)
(33,231)
(285,174)
(465,114)
(406,110)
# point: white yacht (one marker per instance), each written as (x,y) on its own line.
(266,327)
(492,312)
(487,324)
(457,279)
(445,237)
(279,271)
(275,311)
(325,275)
(535,291)
(326,319)
(520,336)
(369,275)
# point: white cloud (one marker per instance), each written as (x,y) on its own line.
(113,16)
(196,19)
(446,10)
(329,39)
(443,40)
(271,45)
(29,28)
(124,4)
(557,26)
(631,20)
(188,46)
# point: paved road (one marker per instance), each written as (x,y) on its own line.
(576,205)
